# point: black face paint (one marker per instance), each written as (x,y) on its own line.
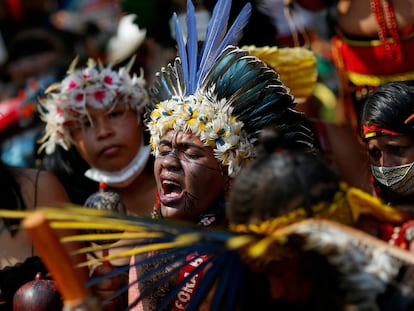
(190,202)
(182,157)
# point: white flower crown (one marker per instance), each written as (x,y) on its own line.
(97,86)
(207,118)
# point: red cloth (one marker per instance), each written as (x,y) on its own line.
(15,9)
(9,112)
(369,59)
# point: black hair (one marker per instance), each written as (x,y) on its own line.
(267,187)
(389,106)
(11,195)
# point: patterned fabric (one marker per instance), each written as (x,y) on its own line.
(398,178)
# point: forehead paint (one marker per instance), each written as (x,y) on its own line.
(178,150)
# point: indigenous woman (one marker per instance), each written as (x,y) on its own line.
(95,115)
(387,130)
(93,121)
(204,123)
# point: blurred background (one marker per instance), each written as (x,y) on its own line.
(40,38)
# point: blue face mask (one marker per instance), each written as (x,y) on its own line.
(399,179)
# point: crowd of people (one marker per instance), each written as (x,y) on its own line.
(185,124)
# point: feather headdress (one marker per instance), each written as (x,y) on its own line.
(222,94)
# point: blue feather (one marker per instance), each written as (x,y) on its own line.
(168,298)
(247,100)
(96,279)
(268,107)
(207,281)
(181,48)
(250,93)
(231,38)
(229,271)
(223,62)
(235,32)
(215,33)
(192,47)
(236,78)
(239,270)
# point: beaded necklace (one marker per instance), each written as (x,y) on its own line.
(402,235)
(388,31)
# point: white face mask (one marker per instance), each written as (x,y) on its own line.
(399,179)
(127,175)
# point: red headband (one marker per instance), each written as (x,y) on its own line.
(369,131)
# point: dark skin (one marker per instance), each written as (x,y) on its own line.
(189,178)
(390,150)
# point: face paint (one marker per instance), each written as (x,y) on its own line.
(188,176)
(190,202)
(398,178)
(183,155)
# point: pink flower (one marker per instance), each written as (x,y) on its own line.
(99,95)
(68,123)
(79,97)
(72,84)
(108,80)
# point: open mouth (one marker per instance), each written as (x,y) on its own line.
(172,192)
(171,188)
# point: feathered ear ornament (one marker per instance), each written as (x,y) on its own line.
(222,94)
